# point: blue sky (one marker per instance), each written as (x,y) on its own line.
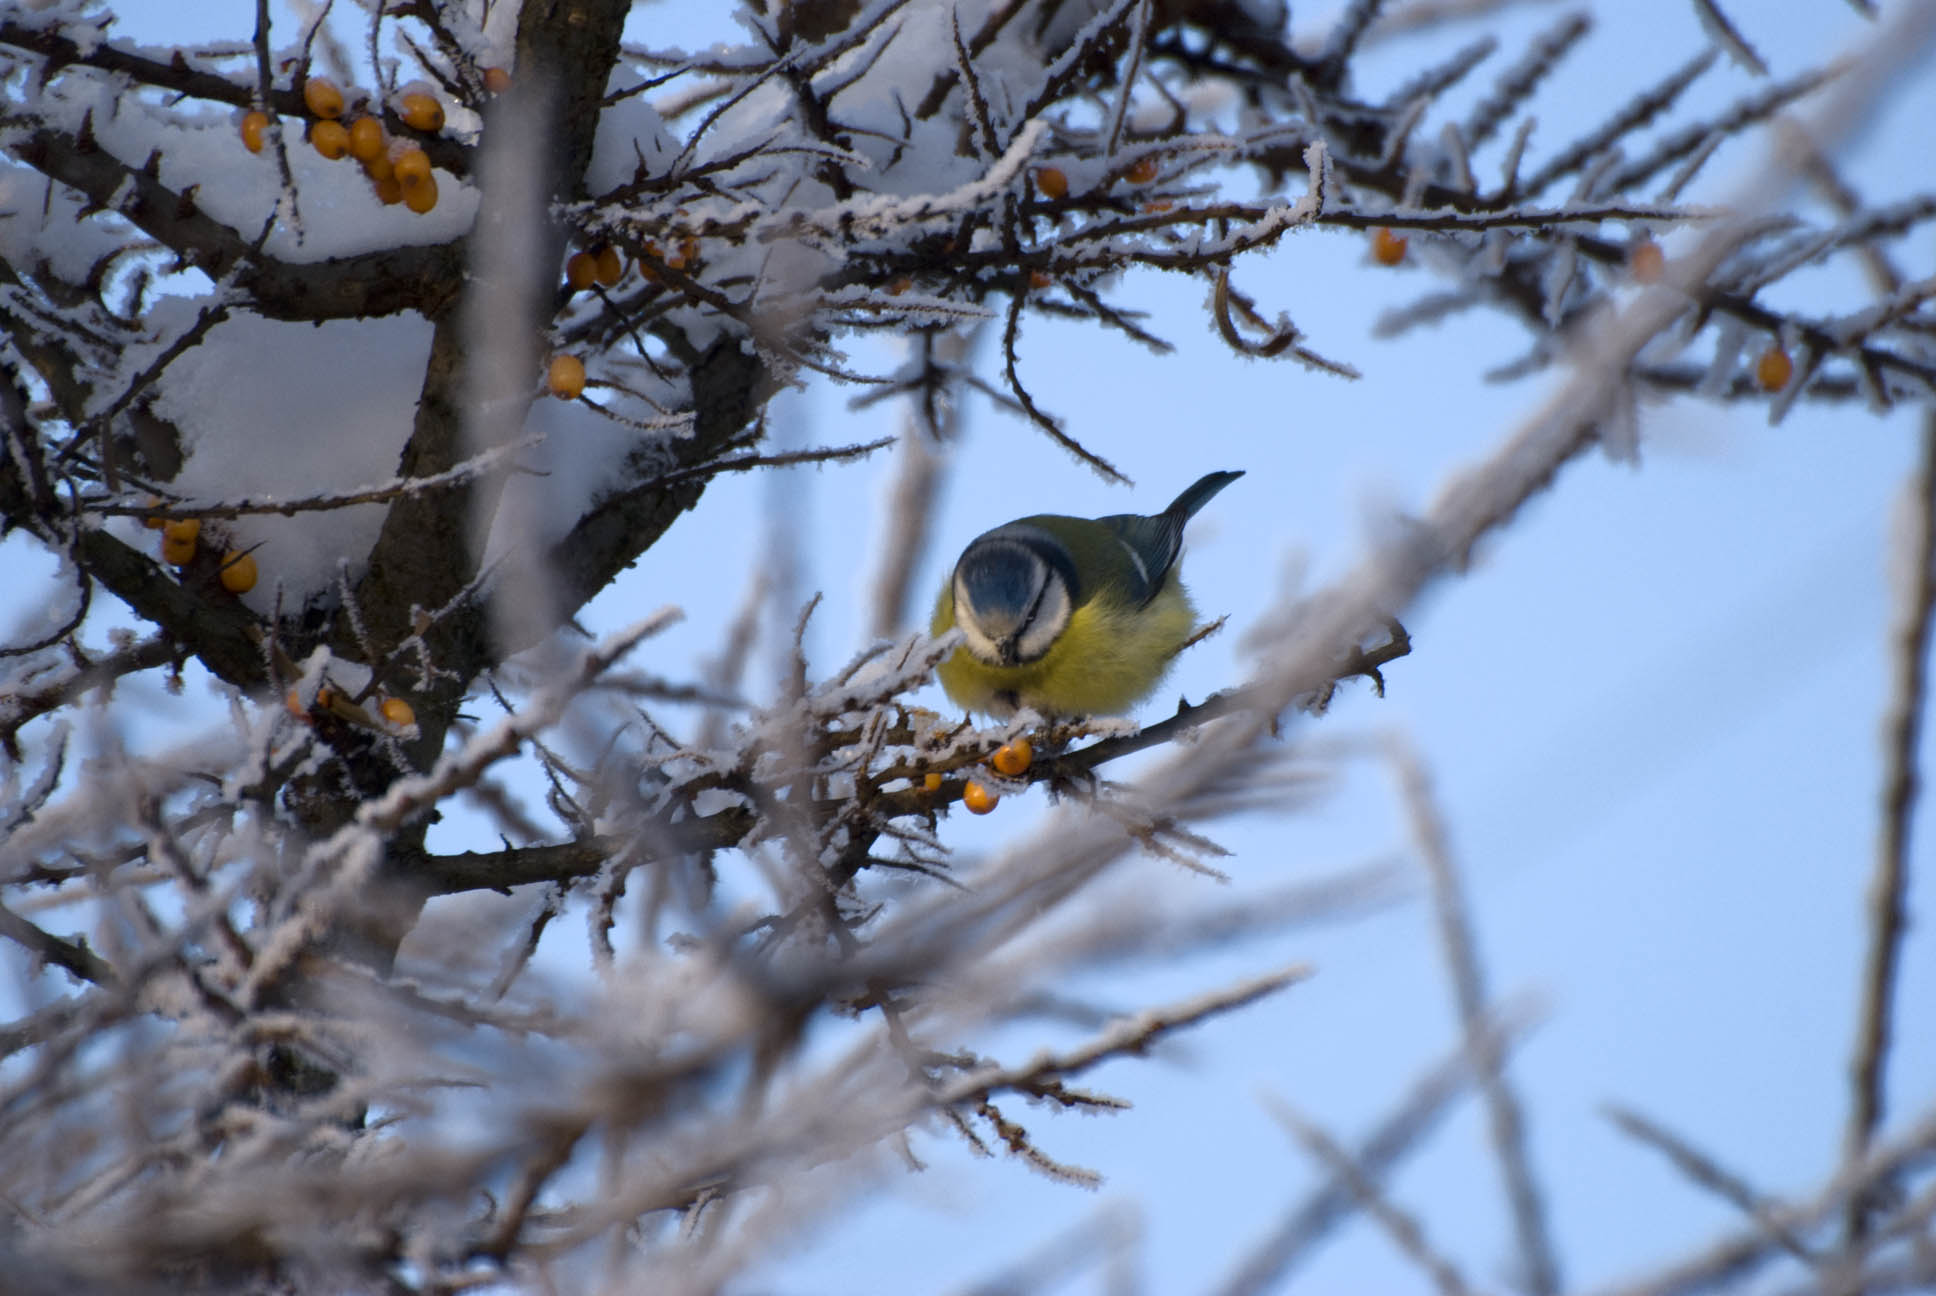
(1652,712)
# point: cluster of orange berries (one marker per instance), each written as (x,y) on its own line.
(395,711)
(1053,182)
(398,169)
(604,265)
(181,540)
(1011,760)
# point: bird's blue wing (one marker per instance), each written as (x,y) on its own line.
(1153,542)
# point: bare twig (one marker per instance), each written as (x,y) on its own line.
(72,955)
(1888,887)
(1709,1174)
(1400,1225)
(1460,950)
(1394,1138)
(1738,1254)
(1131,1035)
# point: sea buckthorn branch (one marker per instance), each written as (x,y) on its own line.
(356,287)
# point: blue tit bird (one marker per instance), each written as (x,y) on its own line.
(1070,616)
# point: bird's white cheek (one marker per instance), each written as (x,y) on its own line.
(979,645)
(1051,619)
(1037,642)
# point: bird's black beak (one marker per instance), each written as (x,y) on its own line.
(1010,654)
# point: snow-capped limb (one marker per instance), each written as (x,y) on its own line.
(917,309)
(81,43)
(354,287)
(483,462)
(857,689)
(889,216)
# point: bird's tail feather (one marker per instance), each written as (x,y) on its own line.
(1199,493)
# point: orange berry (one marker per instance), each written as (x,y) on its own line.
(152,522)
(420,197)
(581,270)
(178,539)
(238,572)
(978,799)
(292,701)
(932,782)
(496,80)
(899,286)
(1645,261)
(1774,369)
(1387,248)
(689,249)
(380,168)
(566,377)
(1040,279)
(1141,171)
(411,164)
(1051,183)
(255,128)
(420,110)
(388,191)
(367,144)
(322,97)
(330,139)
(1012,759)
(608,266)
(398,712)
(1157,205)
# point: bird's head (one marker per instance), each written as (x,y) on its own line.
(1014,592)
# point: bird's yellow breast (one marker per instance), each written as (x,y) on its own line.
(1107,659)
